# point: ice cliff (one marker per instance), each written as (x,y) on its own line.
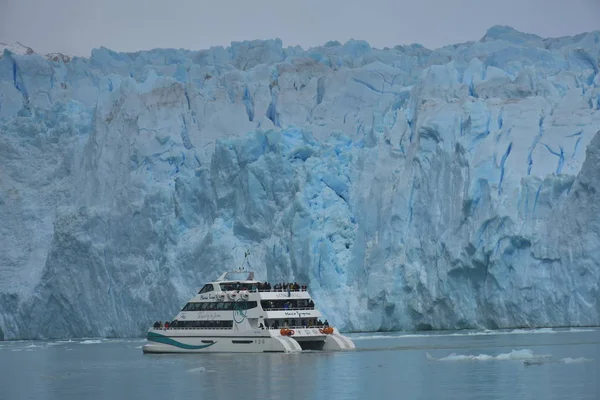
(410,188)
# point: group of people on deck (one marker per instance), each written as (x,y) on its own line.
(159,325)
(304,323)
(265,287)
(280,287)
(292,287)
(166,325)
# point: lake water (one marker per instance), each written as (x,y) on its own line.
(519,364)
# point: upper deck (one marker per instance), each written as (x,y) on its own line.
(249,300)
(231,285)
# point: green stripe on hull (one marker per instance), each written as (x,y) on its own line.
(155,337)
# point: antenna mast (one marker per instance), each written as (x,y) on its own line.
(246,254)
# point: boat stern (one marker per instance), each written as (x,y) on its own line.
(326,338)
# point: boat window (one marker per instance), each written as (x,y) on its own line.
(204,324)
(246,305)
(239,276)
(300,304)
(251,287)
(207,288)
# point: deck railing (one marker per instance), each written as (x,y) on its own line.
(263,290)
(299,327)
(170,328)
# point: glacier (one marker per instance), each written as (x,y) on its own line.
(409,188)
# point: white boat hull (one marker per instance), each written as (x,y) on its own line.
(270,341)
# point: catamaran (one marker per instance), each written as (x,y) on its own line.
(237,313)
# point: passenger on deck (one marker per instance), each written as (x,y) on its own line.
(166,324)
(156,325)
(326,324)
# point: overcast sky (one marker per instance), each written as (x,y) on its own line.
(76,26)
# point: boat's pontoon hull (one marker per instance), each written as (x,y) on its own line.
(172,341)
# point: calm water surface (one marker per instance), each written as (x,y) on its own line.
(538,364)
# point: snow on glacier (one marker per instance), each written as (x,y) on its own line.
(410,188)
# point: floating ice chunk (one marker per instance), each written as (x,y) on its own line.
(577,360)
(524,354)
(196,370)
